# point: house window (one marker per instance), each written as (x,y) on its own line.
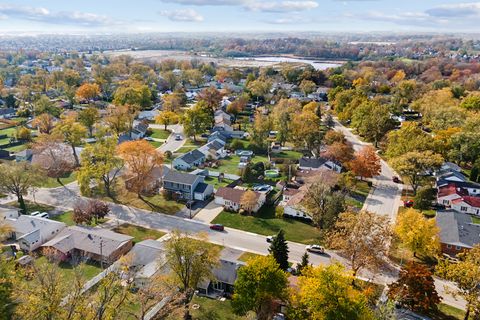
(445,201)
(449,246)
(463,208)
(458,248)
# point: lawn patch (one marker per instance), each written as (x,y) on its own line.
(53,183)
(264,222)
(476,220)
(247,256)
(216,184)
(32,206)
(446,312)
(138,233)
(66,217)
(160,134)
(155,144)
(88,270)
(212,309)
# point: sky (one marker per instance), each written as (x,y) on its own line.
(134,16)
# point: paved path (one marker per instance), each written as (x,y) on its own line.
(171,144)
(385,197)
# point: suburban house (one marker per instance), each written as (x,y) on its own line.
(223,117)
(224,275)
(451,176)
(218,135)
(318,164)
(187,186)
(449,193)
(230,198)
(148,259)
(292,203)
(31,231)
(230,134)
(24,155)
(214,149)
(467,204)
(92,243)
(472,188)
(189,160)
(457,231)
(139,130)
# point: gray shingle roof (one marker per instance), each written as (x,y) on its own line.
(312,162)
(192,156)
(180,177)
(201,187)
(456,228)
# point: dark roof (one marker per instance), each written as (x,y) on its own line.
(142,127)
(180,177)
(192,156)
(201,187)
(464,184)
(312,162)
(214,145)
(218,135)
(445,175)
(456,228)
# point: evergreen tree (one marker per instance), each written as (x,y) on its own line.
(279,250)
(474,174)
(305,263)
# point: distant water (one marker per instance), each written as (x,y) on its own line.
(318,65)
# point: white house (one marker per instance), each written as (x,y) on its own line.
(467,204)
(231,198)
(31,232)
(292,206)
(189,160)
(214,149)
(449,193)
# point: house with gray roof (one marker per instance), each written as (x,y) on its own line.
(31,232)
(187,186)
(89,243)
(189,160)
(458,232)
(214,149)
(148,260)
(319,164)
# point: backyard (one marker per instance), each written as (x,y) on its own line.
(204,308)
(88,269)
(265,222)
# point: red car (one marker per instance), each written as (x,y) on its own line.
(408,203)
(217,227)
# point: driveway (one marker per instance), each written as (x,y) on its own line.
(210,212)
(171,144)
(385,197)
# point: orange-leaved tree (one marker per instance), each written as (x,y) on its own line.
(366,163)
(140,158)
(88,91)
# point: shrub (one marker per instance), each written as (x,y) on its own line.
(236,144)
(279,211)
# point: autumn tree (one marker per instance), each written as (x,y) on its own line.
(259,283)
(262,125)
(372,121)
(44,105)
(279,250)
(249,201)
(90,211)
(167,118)
(237,106)
(19,178)
(366,163)
(172,102)
(88,91)
(140,158)
(307,87)
(414,166)
(418,234)
(332,136)
(53,156)
(327,292)
(120,118)
(341,152)
(72,133)
(89,117)
(211,96)
(306,130)
(362,238)
(471,102)
(323,204)
(415,288)
(410,137)
(133,93)
(44,123)
(195,121)
(466,275)
(282,116)
(259,88)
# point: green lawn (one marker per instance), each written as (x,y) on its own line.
(17,148)
(214,182)
(293,155)
(88,270)
(160,134)
(447,312)
(230,164)
(264,222)
(138,233)
(155,144)
(156,203)
(53,183)
(32,206)
(66,218)
(185,149)
(476,220)
(210,309)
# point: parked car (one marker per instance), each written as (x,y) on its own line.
(315,248)
(396,180)
(178,137)
(408,203)
(270,238)
(148,139)
(217,227)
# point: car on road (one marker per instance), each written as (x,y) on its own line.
(217,227)
(315,248)
(270,238)
(178,137)
(396,180)
(408,203)
(263,188)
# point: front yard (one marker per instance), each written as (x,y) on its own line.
(32,206)
(138,233)
(53,183)
(159,134)
(265,222)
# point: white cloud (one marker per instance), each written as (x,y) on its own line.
(207,2)
(46,16)
(281,6)
(458,10)
(183,15)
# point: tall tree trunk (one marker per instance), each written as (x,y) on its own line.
(75,155)
(21,202)
(165,127)
(467,314)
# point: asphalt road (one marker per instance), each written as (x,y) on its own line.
(385,197)
(171,144)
